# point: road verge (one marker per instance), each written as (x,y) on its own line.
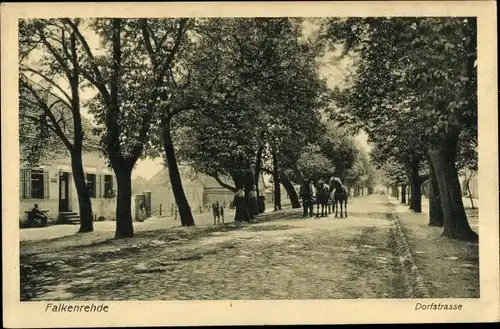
(412,281)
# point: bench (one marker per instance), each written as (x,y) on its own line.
(44,211)
(31,217)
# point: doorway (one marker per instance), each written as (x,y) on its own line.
(63,192)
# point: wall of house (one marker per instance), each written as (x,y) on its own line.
(201,191)
(93,163)
(224,196)
(162,196)
(104,208)
(269,195)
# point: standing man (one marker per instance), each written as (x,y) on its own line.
(306,195)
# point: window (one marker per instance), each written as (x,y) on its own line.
(34,184)
(37,184)
(108,186)
(91,185)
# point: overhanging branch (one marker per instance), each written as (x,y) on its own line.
(221,183)
(99,82)
(39,121)
(47,111)
(25,68)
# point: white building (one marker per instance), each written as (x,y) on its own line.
(51,186)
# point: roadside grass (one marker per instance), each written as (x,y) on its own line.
(450,268)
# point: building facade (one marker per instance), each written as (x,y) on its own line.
(201,191)
(51,186)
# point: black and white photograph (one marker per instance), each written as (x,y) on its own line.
(251,156)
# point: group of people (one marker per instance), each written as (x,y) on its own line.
(218,211)
(246,211)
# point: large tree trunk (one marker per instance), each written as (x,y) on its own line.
(257,176)
(276,182)
(435,210)
(416,192)
(121,167)
(408,198)
(175,179)
(277,195)
(84,203)
(456,225)
(287,184)
(124,227)
(403,193)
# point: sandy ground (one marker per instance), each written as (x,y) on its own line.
(106,229)
(289,258)
(283,259)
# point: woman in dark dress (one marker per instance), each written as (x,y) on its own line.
(239,204)
(252,202)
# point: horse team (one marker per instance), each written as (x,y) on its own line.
(326,194)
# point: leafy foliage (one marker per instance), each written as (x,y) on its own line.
(47,109)
(261,95)
(131,76)
(315,165)
(414,82)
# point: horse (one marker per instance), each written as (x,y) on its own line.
(322,197)
(340,196)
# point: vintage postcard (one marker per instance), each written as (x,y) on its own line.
(255,163)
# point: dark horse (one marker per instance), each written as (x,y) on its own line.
(322,197)
(340,196)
